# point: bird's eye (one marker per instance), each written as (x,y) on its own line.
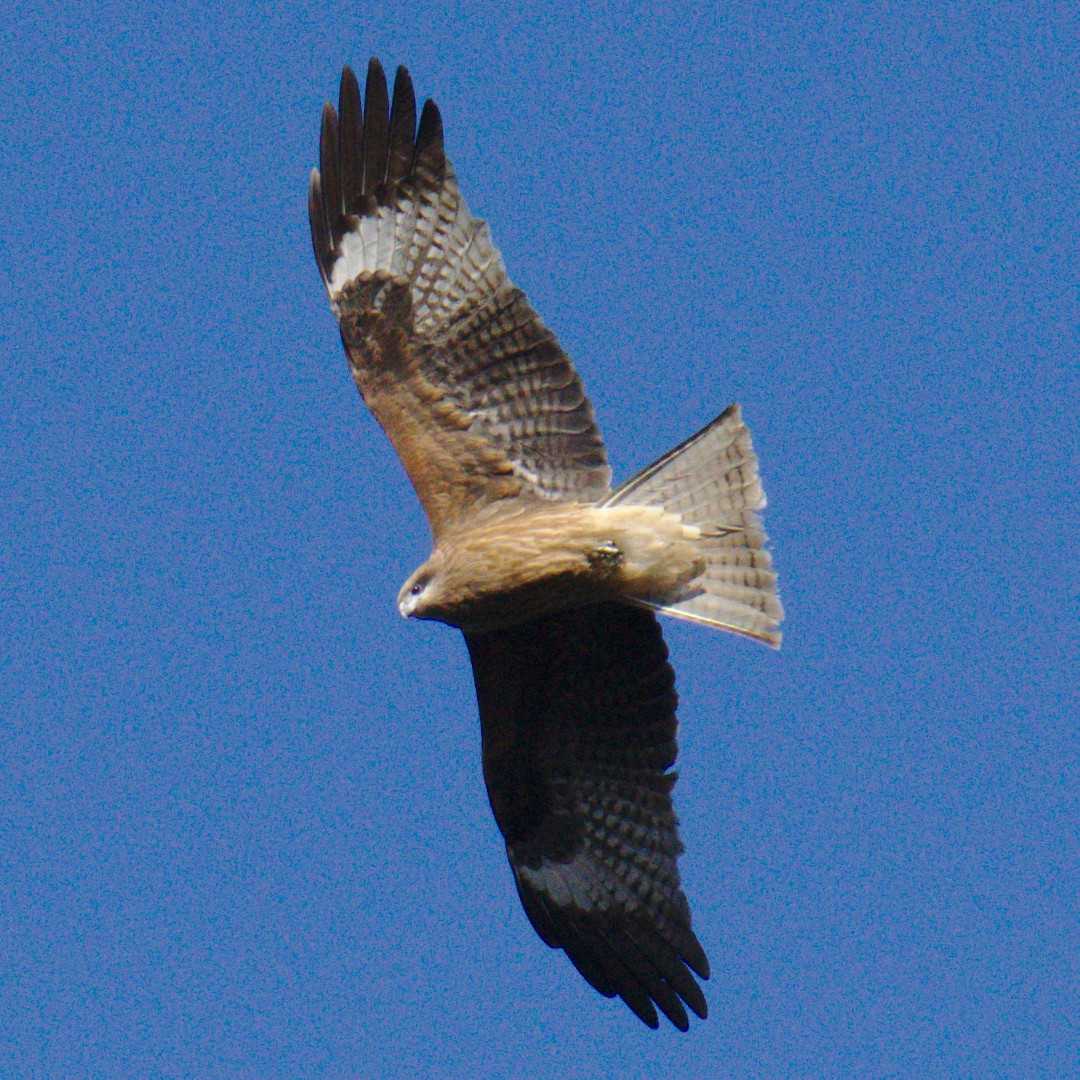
(417,589)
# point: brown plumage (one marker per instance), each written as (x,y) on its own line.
(548,571)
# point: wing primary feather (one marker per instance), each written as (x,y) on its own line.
(320,235)
(429,138)
(629,988)
(633,975)
(554,931)
(350,141)
(590,968)
(652,981)
(402,128)
(691,951)
(328,171)
(669,965)
(376,129)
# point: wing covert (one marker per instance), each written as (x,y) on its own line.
(473,390)
(578,717)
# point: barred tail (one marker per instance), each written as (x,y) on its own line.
(711,481)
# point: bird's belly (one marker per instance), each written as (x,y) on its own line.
(529,593)
(563,560)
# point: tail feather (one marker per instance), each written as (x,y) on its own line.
(711,481)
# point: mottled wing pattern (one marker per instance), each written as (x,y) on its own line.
(471,387)
(578,716)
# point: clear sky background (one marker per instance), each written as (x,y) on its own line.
(243,830)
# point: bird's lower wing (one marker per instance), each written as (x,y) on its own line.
(578,716)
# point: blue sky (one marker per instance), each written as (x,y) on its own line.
(243,830)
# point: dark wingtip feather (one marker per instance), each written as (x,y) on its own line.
(645,974)
(329,171)
(429,136)
(375,71)
(640,1004)
(667,962)
(402,128)
(314,211)
(376,127)
(694,955)
(366,149)
(638,970)
(320,234)
(350,140)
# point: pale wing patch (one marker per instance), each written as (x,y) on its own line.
(372,244)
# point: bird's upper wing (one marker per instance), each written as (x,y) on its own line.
(471,387)
(578,715)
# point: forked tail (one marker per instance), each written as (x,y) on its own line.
(712,482)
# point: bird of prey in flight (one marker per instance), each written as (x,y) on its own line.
(553,576)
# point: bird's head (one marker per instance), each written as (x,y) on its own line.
(418,596)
